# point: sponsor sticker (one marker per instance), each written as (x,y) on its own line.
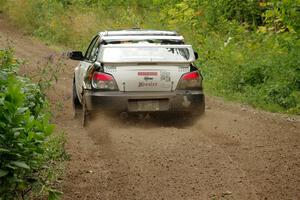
(147,84)
(147,73)
(110,69)
(165,76)
(183,69)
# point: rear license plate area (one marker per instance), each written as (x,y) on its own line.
(148,105)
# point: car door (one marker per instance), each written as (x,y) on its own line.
(84,65)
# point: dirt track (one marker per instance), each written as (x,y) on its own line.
(233,152)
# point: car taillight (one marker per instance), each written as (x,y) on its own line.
(104,81)
(190,81)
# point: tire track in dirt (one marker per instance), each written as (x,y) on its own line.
(233,152)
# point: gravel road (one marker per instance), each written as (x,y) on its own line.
(232,152)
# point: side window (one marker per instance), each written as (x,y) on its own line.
(95,51)
(89,50)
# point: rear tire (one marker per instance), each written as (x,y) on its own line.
(76,103)
(85,114)
(202,107)
(199,111)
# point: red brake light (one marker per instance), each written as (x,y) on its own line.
(190,81)
(102,77)
(189,76)
(104,81)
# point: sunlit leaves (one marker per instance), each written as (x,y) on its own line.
(24,129)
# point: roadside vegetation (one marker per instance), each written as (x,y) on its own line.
(30,155)
(249,49)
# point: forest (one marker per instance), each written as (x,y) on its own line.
(249,49)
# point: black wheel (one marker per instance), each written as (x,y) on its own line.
(85,114)
(76,103)
(202,107)
(197,113)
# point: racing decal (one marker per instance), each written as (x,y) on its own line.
(147,78)
(165,76)
(147,73)
(110,69)
(147,84)
(183,69)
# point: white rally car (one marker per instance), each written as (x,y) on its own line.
(137,71)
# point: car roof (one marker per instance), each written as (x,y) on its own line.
(141,38)
(140,32)
(141,35)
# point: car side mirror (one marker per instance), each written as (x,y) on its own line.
(196,55)
(76,55)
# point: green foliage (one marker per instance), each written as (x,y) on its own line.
(282,16)
(25,143)
(248,48)
(262,71)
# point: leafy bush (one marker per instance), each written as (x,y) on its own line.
(25,131)
(261,70)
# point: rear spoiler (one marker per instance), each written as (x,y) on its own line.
(140,37)
(147,62)
(189,47)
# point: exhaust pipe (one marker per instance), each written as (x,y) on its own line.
(124,115)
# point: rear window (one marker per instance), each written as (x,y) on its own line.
(145,54)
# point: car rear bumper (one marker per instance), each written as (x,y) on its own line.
(177,101)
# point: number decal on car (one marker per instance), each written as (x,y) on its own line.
(165,76)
